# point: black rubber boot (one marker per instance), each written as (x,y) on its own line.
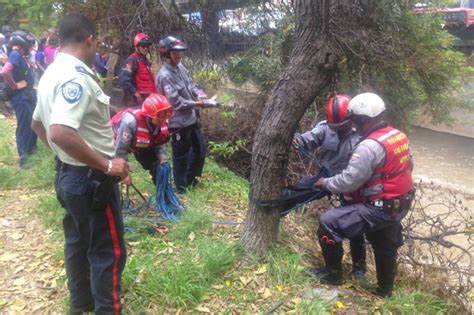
(386,269)
(332,273)
(358,255)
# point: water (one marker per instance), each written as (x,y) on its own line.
(443,157)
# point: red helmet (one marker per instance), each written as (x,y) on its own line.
(157,106)
(336,110)
(141,39)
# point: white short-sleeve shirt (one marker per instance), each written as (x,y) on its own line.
(69,95)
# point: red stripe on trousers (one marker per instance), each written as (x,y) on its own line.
(113,234)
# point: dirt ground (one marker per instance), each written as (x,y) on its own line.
(31,268)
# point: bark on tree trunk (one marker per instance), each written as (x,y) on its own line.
(312,65)
(113,58)
(210,26)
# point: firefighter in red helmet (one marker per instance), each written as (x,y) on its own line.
(335,139)
(136,78)
(143,131)
(331,136)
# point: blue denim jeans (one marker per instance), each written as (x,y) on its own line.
(24,104)
(94,249)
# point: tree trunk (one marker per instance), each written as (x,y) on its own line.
(312,65)
(210,26)
(113,58)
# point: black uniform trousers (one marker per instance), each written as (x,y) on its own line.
(94,249)
(357,241)
(383,231)
(189,154)
(149,161)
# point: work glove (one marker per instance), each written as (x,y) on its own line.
(200,94)
(298,141)
(209,103)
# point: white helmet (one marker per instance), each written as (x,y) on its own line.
(367,104)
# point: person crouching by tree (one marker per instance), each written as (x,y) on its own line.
(18,74)
(144,132)
(336,139)
(378,180)
(136,78)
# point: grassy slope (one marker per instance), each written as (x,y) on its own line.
(198,266)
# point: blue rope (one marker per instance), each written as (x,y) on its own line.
(129,207)
(307,155)
(228,222)
(302,204)
(167,203)
(282,214)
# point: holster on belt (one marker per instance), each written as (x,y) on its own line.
(396,207)
(103,190)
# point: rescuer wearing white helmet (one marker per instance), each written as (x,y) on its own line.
(378,184)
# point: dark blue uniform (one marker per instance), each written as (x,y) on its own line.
(188,143)
(23,102)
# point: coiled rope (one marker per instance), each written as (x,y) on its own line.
(167,203)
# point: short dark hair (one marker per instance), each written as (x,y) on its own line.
(75,28)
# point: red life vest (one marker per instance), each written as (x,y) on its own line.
(395,175)
(144,76)
(144,138)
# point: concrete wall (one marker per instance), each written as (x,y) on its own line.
(463,124)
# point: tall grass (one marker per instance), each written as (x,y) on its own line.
(39,172)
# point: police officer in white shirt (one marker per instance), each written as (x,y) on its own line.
(72,118)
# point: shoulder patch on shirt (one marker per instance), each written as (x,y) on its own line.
(126,137)
(127,67)
(355,156)
(72,91)
(168,89)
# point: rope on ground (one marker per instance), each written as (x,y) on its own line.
(129,207)
(164,200)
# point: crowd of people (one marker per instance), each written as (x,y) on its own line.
(367,162)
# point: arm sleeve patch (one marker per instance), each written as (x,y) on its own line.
(169,89)
(72,91)
(126,137)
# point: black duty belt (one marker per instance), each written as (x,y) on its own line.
(398,204)
(87,171)
(83,170)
